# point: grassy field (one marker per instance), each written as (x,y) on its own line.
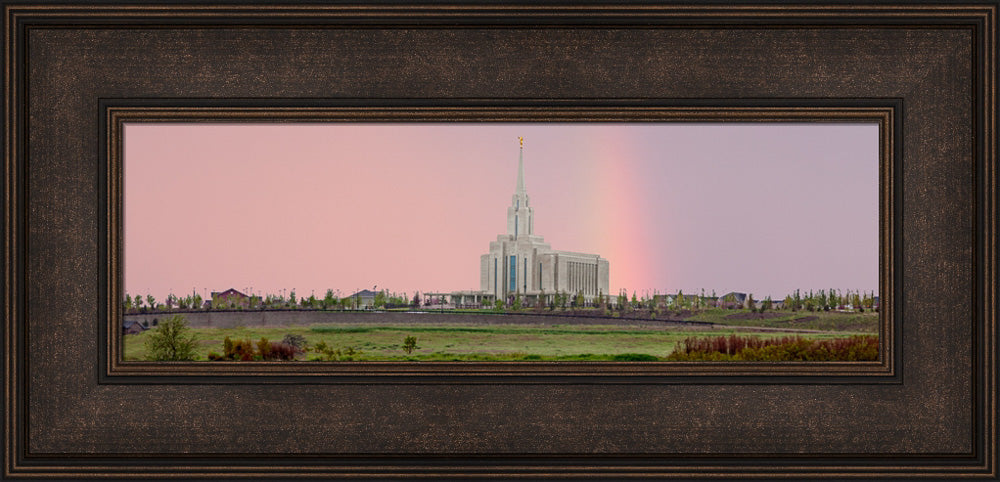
(495,342)
(866,322)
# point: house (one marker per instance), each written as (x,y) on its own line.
(365,298)
(132,327)
(732,300)
(232,298)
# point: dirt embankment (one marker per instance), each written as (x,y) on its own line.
(232,319)
(755,316)
(769,316)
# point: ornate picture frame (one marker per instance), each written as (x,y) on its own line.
(74,72)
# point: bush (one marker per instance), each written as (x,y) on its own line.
(745,348)
(242,350)
(245,350)
(170,341)
(297,341)
(264,348)
(409,344)
(282,351)
(335,354)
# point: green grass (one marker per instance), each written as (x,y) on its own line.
(469,343)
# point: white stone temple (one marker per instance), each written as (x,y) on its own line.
(520,262)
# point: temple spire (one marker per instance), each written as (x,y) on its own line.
(520,168)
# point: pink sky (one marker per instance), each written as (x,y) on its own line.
(759,208)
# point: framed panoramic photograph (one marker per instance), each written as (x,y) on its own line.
(714,199)
(488,241)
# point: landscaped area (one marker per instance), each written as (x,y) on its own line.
(485,336)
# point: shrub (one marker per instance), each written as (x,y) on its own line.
(282,351)
(245,350)
(297,341)
(335,354)
(242,350)
(264,348)
(409,344)
(170,341)
(740,348)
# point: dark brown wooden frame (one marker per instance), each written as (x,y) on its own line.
(73,71)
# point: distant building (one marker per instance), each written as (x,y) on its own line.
(732,300)
(365,298)
(132,327)
(232,298)
(520,262)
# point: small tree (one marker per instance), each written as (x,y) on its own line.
(579,300)
(379,299)
(151,301)
(751,304)
(170,341)
(329,300)
(409,344)
(416,300)
(517,301)
(127,302)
